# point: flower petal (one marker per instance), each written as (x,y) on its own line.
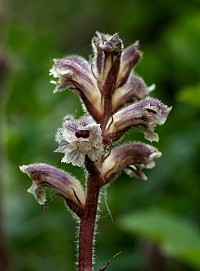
(38,192)
(73,72)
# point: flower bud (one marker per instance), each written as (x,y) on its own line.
(133,90)
(130,57)
(106,62)
(61,182)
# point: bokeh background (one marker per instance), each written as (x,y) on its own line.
(155,224)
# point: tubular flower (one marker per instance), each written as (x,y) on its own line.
(75,73)
(78,138)
(44,175)
(116,100)
(131,158)
(147,112)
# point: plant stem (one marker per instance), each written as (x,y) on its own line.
(88,219)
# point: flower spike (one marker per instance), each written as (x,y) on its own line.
(114,100)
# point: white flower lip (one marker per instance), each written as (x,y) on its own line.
(78,138)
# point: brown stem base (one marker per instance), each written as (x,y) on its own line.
(88,219)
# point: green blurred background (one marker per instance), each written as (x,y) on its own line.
(155,224)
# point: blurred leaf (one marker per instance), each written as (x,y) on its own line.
(190,94)
(177,238)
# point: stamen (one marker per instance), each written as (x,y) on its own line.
(82,133)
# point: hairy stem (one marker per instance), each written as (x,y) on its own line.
(88,219)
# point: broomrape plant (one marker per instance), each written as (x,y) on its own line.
(115,100)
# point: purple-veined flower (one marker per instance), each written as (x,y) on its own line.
(78,138)
(132,158)
(43,175)
(148,112)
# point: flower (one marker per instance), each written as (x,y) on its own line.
(148,112)
(131,158)
(61,182)
(75,73)
(78,138)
